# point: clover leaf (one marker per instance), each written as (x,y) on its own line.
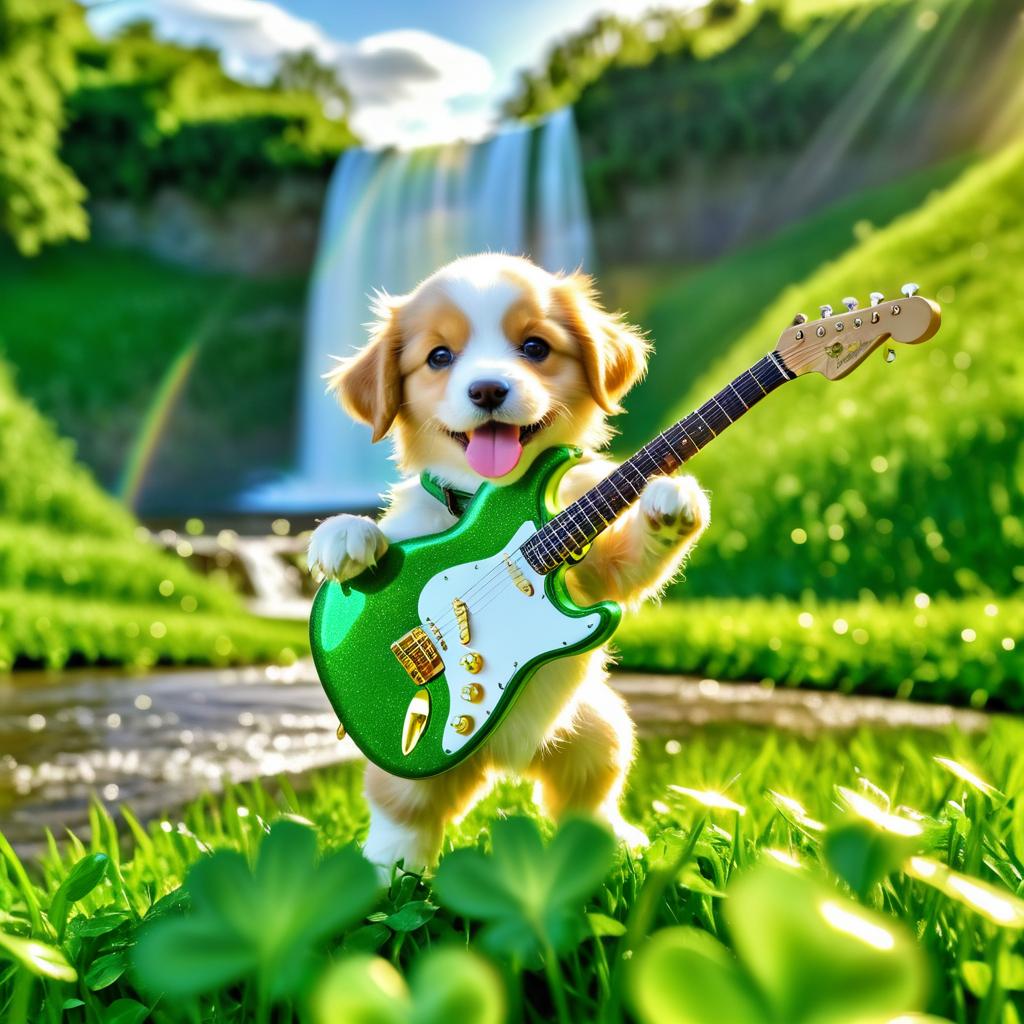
(267,922)
(530,896)
(804,954)
(445,985)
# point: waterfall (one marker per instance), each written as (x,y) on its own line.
(390,219)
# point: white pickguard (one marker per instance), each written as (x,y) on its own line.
(506,627)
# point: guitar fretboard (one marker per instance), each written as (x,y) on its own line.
(563,537)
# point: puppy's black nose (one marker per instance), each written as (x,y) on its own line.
(488,394)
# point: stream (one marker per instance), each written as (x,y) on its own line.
(153,741)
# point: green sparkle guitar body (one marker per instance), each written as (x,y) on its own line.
(421,709)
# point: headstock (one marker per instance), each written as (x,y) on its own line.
(836,344)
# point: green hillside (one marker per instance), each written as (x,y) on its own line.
(78,584)
(900,478)
(693,316)
(79,307)
(730,79)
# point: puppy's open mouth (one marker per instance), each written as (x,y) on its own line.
(494,449)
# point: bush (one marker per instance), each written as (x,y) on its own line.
(962,652)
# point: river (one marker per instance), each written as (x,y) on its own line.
(155,740)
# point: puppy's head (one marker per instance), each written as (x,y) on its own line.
(489,361)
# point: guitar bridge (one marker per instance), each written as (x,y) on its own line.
(418,656)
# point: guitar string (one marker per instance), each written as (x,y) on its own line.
(447,620)
(495,576)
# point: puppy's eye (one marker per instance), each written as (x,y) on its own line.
(440,358)
(535,349)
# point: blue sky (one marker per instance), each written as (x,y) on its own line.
(419,72)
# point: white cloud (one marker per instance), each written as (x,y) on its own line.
(408,87)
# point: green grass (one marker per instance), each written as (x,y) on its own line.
(54,630)
(696,850)
(899,478)
(92,331)
(77,583)
(692,317)
(959,652)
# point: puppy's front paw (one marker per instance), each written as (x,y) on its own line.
(675,507)
(343,546)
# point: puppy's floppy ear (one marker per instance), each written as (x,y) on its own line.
(369,384)
(614,354)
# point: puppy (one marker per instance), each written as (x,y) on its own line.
(488,362)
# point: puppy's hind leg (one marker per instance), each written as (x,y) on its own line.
(583,765)
(408,816)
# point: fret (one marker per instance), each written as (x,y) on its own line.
(750,374)
(731,404)
(581,521)
(711,413)
(591,496)
(738,396)
(697,431)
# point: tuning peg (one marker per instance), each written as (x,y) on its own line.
(890,355)
(800,318)
(909,289)
(826,311)
(876,298)
(850,303)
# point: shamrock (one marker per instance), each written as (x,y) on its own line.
(267,923)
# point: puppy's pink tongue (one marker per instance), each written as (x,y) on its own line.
(494,449)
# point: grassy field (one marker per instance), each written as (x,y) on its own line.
(947,651)
(79,584)
(693,317)
(867,880)
(897,479)
(98,335)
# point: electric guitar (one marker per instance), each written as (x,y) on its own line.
(423,655)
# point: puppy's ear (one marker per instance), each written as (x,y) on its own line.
(369,384)
(614,354)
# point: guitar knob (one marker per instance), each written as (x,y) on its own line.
(890,355)
(473,692)
(472,662)
(850,303)
(800,318)
(876,298)
(463,725)
(909,289)
(826,311)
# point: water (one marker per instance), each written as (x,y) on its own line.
(151,741)
(391,218)
(157,740)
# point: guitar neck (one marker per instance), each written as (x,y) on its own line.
(563,537)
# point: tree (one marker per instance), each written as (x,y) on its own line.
(304,72)
(41,200)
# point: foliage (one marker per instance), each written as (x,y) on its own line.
(233,411)
(694,314)
(149,114)
(807,961)
(54,630)
(897,478)
(955,822)
(77,584)
(126,117)
(40,196)
(444,985)
(529,896)
(265,923)
(960,652)
(656,95)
